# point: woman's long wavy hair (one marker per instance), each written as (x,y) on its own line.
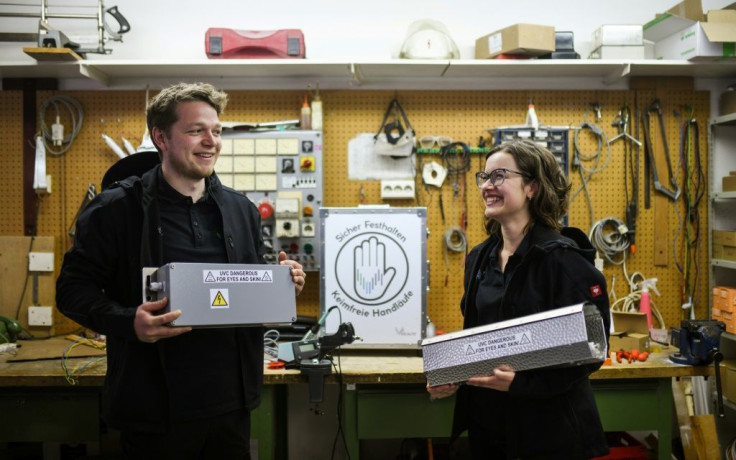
(550,204)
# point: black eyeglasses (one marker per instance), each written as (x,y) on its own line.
(497,176)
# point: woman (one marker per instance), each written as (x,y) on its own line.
(528,264)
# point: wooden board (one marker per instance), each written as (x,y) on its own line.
(52,54)
(17,286)
(53,348)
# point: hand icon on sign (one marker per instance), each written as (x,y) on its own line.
(372,278)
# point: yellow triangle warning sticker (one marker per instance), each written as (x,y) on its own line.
(220,300)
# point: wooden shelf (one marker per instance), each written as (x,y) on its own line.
(391,73)
(52,54)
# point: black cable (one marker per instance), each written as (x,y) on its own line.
(34,232)
(340,434)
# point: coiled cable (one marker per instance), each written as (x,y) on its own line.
(612,245)
(76,115)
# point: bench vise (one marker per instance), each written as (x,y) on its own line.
(699,342)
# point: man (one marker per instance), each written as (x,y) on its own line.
(173,392)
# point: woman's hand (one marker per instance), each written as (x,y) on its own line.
(500,379)
(442,391)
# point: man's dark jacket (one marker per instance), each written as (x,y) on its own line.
(100,287)
(547,413)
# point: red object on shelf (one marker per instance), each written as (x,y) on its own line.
(513,56)
(222,43)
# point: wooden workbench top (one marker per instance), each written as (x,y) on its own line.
(356,369)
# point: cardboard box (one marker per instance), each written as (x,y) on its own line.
(717,251)
(728,379)
(724,298)
(528,39)
(684,32)
(618,35)
(729,253)
(630,331)
(728,183)
(727,103)
(724,237)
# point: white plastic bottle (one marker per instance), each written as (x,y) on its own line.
(305,120)
(317,111)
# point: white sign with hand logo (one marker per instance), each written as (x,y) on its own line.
(375,271)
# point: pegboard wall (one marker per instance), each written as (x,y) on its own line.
(464,116)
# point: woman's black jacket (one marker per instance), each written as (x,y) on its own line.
(547,413)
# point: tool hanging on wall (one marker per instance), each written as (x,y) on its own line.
(88,196)
(48,37)
(631,168)
(650,164)
(632,208)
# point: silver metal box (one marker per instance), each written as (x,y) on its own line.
(218,295)
(561,337)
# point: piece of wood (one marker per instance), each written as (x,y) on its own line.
(705,436)
(683,420)
(53,54)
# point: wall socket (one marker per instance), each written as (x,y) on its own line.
(40,316)
(397,189)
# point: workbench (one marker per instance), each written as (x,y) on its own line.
(385,397)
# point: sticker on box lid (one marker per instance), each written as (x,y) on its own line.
(219,298)
(237,276)
(498,343)
(495,43)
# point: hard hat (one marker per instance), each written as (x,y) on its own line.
(428,39)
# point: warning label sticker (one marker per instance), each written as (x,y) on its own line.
(237,276)
(498,343)
(219,298)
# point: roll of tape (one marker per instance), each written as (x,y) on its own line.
(434,174)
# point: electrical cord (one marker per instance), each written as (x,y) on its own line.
(579,159)
(76,115)
(270,343)
(71,375)
(611,245)
(455,239)
(340,434)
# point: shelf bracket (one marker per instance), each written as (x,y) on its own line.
(621,72)
(355,75)
(90,72)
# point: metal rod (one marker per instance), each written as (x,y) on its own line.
(52,15)
(38,5)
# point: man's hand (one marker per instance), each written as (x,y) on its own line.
(297,272)
(150,327)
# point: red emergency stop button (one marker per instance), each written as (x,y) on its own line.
(265,209)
